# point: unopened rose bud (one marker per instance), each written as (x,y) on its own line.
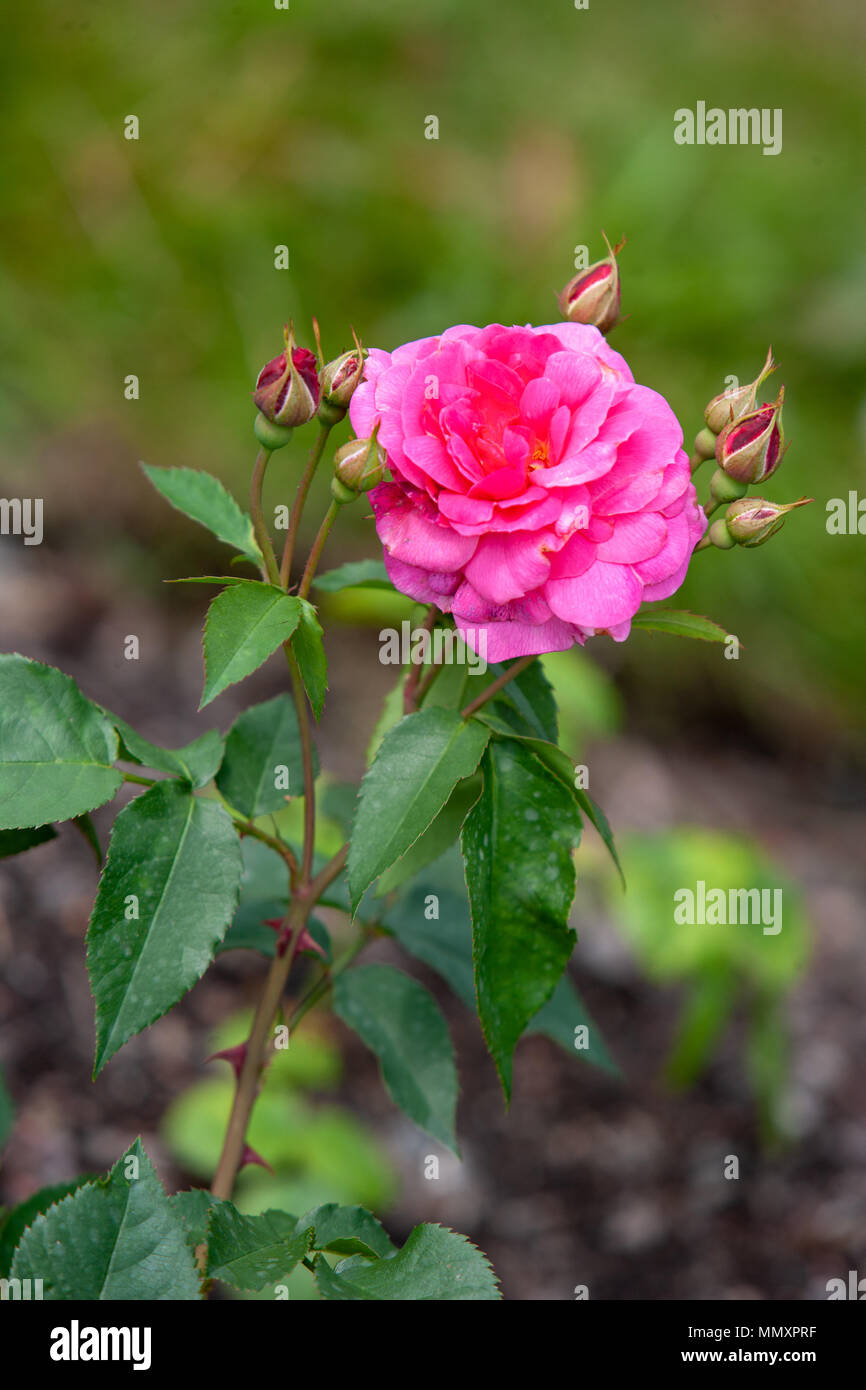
(358,466)
(734,403)
(592,296)
(752,520)
(287,390)
(338,381)
(749,449)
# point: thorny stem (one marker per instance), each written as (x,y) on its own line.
(254,1056)
(300,698)
(269,571)
(316,551)
(495,686)
(298,505)
(425,684)
(410,689)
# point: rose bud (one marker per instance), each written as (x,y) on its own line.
(732,404)
(358,466)
(338,381)
(749,449)
(287,390)
(752,520)
(592,296)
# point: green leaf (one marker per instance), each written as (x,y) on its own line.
(347,1231)
(434,1264)
(417,767)
(7,1112)
(245,623)
(193,1207)
(263,738)
(517,843)
(400,1021)
(562,767)
(175,860)
(56,748)
(308,648)
(440,834)
(527,702)
(23,1216)
(357,574)
(444,941)
(561,1017)
(252,1251)
(203,498)
(114,1239)
(196,762)
(14,841)
(679,624)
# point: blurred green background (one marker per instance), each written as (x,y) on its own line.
(305,127)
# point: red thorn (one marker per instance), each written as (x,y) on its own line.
(250,1156)
(305,941)
(235,1057)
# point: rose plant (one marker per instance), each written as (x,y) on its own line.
(529,494)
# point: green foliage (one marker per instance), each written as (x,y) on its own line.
(416,769)
(165,899)
(347,1231)
(196,762)
(56,748)
(204,499)
(21,1217)
(400,1022)
(517,843)
(431,921)
(252,1251)
(307,644)
(435,1263)
(117,1238)
(264,737)
(7,1112)
(245,624)
(15,841)
(365,574)
(678,624)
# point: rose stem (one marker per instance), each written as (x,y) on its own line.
(316,551)
(411,686)
(495,686)
(298,505)
(269,569)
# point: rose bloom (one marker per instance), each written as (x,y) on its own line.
(539,495)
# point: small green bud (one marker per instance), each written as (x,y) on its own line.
(720,536)
(725,489)
(269,435)
(360,464)
(705,444)
(752,520)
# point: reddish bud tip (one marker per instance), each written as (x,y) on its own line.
(593,295)
(750,448)
(287,389)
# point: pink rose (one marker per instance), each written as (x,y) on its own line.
(538,494)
